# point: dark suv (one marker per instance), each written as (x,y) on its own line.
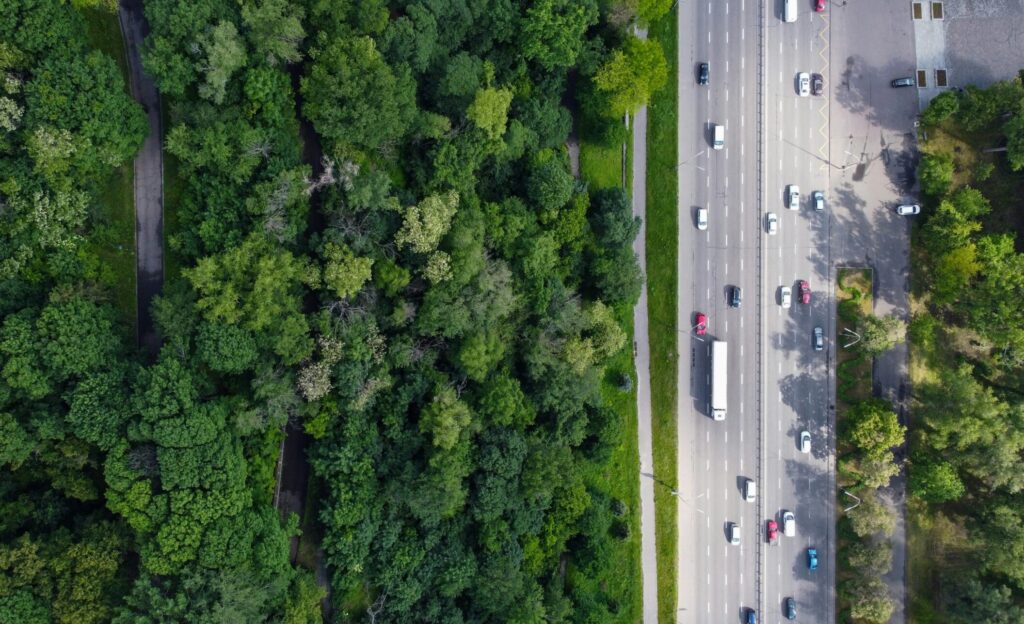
(735,296)
(702,74)
(790,608)
(817,84)
(904,82)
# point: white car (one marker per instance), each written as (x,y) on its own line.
(734,534)
(786,296)
(788,524)
(805,441)
(793,196)
(803,80)
(702,218)
(905,210)
(773,223)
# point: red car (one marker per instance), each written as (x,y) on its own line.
(805,292)
(701,325)
(819,5)
(773,531)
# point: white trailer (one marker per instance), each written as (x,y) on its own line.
(719,378)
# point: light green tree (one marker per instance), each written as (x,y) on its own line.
(489,110)
(225,54)
(426,223)
(344,272)
(631,75)
(275,29)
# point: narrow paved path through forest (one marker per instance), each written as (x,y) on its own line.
(642,361)
(149,181)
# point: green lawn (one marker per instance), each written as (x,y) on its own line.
(601,167)
(113,240)
(662,226)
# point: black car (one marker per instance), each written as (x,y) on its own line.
(702,74)
(904,82)
(790,609)
(817,84)
(735,296)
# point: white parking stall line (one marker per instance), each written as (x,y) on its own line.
(741,377)
(741,270)
(727,37)
(726,8)
(727,327)
(709,8)
(741,431)
(727,441)
(741,353)
(741,242)
(727,244)
(709,34)
(709,293)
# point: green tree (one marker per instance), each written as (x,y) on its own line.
(552,31)
(941,108)
(870,558)
(226,348)
(225,54)
(275,29)
(354,98)
(445,418)
(631,75)
(871,517)
(869,599)
(479,353)
(936,481)
(880,333)
(875,428)
(425,223)
(1014,130)
(936,174)
(344,273)
(489,110)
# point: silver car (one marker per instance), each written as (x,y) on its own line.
(773,223)
(818,199)
(819,339)
(788,524)
(803,80)
(905,210)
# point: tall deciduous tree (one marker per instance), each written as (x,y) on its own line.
(631,75)
(354,98)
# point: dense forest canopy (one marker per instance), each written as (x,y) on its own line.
(416,279)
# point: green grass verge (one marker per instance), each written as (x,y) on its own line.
(113,238)
(618,478)
(600,166)
(662,279)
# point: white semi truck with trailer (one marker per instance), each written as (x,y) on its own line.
(719,378)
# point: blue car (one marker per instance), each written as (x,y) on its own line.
(812,559)
(751,616)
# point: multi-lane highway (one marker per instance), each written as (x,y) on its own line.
(778,384)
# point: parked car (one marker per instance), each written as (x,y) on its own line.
(904,82)
(790,608)
(812,558)
(773,223)
(905,210)
(785,296)
(819,5)
(818,199)
(735,296)
(817,84)
(805,441)
(803,82)
(773,531)
(702,218)
(702,74)
(819,339)
(701,326)
(788,524)
(805,292)
(793,196)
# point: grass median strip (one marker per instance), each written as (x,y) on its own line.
(662,278)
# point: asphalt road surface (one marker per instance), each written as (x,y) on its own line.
(778,385)
(149,184)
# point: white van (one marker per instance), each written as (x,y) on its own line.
(750,491)
(789,10)
(719,137)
